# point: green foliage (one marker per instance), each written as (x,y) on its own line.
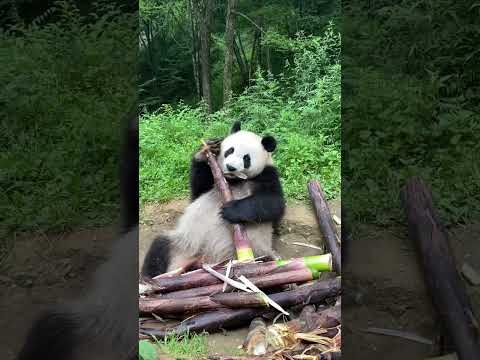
(417,113)
(301,108)
(165,57)
(190,346)
(65,89)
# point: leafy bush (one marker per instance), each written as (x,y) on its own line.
(65,87)
(301,108)
(415,114)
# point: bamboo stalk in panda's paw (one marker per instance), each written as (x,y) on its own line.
(240,238)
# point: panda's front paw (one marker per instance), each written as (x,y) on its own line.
(231,212)
(214,147)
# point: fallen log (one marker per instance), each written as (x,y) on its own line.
(229,318)
(200,278)
(240,237)
(440,271)
(263,282)
(325,222)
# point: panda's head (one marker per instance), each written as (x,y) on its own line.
(244,154)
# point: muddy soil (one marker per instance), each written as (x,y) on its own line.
(41,270)
(386,289)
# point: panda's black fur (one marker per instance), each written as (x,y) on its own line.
(103,324)
(264,205)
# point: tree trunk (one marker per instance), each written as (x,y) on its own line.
(241,64)
(195,44)
(229,51)
(253,55)
(205,25)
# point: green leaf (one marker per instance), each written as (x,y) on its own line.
(147,350)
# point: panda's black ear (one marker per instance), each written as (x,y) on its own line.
(236,127)
(269,143)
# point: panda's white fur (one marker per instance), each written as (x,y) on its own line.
(201,231)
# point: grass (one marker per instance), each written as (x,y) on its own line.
(178,347)
(168,140)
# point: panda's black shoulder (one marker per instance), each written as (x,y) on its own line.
(268,181)
(269,174)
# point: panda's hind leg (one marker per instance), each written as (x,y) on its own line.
(157,259)
(165,256)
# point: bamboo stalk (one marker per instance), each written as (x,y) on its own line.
(240,237)
(236,300)
(440,270)
(266,281)
(201,278)
(229,318)
(197,304)
(325,222)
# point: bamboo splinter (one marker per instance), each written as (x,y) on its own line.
(240,238)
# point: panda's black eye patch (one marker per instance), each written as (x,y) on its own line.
(246,161)
(229,152)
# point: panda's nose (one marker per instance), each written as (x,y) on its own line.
(231,168)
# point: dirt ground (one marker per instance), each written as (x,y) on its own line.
(41,270)
(299,226)
(385,290)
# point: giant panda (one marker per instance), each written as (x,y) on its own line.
(103,323)
(205,228)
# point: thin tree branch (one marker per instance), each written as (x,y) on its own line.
(250,20)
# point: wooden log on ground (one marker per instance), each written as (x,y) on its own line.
(441,273)
(240,238)
(262,282)
(325,222)
(200,278)
(230,318)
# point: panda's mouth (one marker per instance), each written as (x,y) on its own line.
(235,175)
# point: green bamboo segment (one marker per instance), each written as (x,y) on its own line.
(316,263)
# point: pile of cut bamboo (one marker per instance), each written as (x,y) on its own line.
(235,292)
